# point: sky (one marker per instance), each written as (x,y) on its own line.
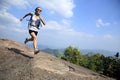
(85,24)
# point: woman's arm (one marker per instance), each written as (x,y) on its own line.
(42,20)
(25,16)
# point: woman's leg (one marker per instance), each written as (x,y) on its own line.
(34,39)
(30,39)
(27,40)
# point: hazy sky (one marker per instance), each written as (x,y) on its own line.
(86,24)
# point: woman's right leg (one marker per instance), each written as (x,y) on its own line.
(27,40)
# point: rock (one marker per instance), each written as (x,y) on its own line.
(18,62)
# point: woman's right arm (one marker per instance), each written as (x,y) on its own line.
(25,16)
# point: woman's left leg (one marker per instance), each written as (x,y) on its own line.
(34,38)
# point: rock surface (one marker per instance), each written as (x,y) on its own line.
(17,62)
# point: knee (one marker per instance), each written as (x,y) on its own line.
(34,38)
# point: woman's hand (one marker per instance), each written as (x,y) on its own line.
(21,19)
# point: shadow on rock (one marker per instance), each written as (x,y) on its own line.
(17,51)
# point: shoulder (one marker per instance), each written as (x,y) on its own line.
(31,13)
(40,16)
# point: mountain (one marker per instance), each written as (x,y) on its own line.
(53,51)
(100,51)
(82,51)
(17,62)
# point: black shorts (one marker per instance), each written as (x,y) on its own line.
(30,31)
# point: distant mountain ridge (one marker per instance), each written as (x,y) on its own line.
(100,51)
(82,51)
(53,51)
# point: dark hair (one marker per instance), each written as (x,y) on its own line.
(36,8)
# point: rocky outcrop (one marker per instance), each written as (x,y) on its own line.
(17,62)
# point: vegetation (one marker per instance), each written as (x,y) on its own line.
(109,66)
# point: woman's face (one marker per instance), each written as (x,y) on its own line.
(38,10)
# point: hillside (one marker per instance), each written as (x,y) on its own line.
(17,62)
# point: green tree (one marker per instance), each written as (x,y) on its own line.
(72,55)
(75,56)
(84,60)
(68,53)
(112,67)
(95,62)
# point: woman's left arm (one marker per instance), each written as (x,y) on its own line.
(42,20)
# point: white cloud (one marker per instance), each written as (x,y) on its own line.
(8,20)
(55,26)
(66,22)
(11,29)
(19,3)
(108,36)
(100,23)
(64,30)
(63,7)
(12,33)
(5,4)
(63,36)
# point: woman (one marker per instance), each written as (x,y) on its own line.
(33,26)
